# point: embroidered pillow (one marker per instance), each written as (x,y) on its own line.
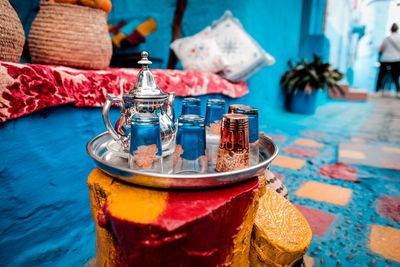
(199,52)
(242,54)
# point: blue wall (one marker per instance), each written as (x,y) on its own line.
(274,24)
(312,39)
(341,16)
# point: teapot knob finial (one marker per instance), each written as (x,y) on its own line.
(145,58)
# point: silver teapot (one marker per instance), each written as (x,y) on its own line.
(145,96)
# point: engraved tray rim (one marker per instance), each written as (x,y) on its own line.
(180,181)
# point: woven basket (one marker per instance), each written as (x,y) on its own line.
(12,36)
(70,35)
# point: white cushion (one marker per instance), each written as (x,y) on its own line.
(242,54)
(199,52)
(224,47)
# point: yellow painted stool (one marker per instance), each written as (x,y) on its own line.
(137,226)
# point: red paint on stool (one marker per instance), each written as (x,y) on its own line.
(319,220)
(301,152)
(340,171)
(280,176)
(389,207)
(196,228)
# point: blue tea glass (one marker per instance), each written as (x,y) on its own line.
(214,112)
(252,114)
(145,152)
(190,151)
(191,105)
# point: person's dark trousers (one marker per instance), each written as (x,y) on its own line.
(394,71)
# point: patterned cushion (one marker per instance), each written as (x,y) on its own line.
(199,52)
(243,55)
(224,47)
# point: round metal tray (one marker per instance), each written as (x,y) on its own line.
(115,163)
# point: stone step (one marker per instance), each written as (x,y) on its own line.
(349,94)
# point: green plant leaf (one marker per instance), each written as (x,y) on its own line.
(315,75)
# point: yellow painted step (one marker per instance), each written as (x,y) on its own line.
(281,234)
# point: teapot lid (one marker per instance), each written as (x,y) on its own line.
(145,86)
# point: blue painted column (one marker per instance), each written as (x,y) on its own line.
(312,38)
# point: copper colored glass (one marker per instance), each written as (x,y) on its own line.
(232,108)
(233,151)
(252,114)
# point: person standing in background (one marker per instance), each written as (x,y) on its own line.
(390,58)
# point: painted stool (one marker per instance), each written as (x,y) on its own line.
(137,226)
(281,235)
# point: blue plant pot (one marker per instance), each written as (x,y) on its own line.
(303,102)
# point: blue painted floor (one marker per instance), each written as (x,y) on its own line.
(345,239)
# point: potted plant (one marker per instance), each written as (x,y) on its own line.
(303,80)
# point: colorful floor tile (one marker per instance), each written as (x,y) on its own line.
(288,162)
(319,220)
(340,171)
(389,208)
(358,140)
(325,192)
(301,152)
(351,154)
(390,164)
(385,241)
(390,149)
(308,261)
(372,154)
(312,134)
(278,138)
(308,142)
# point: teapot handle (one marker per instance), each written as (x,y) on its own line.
(106,118)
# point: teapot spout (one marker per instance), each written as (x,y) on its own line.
(170,106)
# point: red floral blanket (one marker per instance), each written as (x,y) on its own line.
(25,88)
